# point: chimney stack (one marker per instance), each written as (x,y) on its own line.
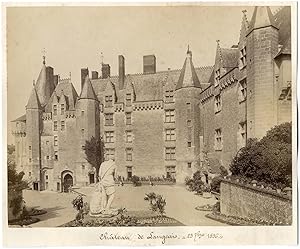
(149,64)
(84,73)
(121,72)
(94,75)
(105,71)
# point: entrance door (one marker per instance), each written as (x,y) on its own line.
(35,186)
(92,178)
(68,182)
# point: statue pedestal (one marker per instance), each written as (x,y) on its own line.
(105,214)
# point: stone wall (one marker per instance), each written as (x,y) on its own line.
(252,203)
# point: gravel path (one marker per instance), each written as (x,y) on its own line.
(180,204)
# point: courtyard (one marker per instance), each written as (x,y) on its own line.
(180,204)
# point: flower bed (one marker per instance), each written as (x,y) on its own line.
(124,221)
(207,207)
(34,212)
(24,222)
(236,221)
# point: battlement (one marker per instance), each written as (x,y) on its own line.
(119,107)
(47,116)
(148,105)
(70,114)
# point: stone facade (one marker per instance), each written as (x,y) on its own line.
(159,123)
(253,203)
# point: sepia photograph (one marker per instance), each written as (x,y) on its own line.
(161,117)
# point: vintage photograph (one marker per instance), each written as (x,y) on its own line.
(149,116)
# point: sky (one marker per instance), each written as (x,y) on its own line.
(74,37)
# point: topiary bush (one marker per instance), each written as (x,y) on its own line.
(268,160)
(136,181)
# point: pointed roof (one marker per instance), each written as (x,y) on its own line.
(22,118)
(33,102)
(188,76)
(87,91)
(244,26)
(262,17)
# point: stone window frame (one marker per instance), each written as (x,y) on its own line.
(62,109)
(128,118)
(56,155)
(217,76)
(82,132)
(170,134)
(62,125)
(108,101)
(82,112)
(128,99)
(242,134)
(170,153)
(129,154)
(218,103)
(109,119)
(170,170)
(218,139)
(129,135)
(55,140)
(170,116)
(189,143)
(55,125)
(243,57)
(242,90)
(169,95)
(54,110)
(109,137)
(189,165)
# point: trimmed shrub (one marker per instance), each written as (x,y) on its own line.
(268,160)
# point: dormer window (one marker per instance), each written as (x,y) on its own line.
(54,109)
(128,99)
(169,95)
(217,77)
(108,101)
(243,58)
(62,109)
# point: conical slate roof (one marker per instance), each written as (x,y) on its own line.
(87,91)
(188,76)
(33,102)
(262,17)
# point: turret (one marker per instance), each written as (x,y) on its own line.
(87,109)
(33,139)
(45,84)
(187,119)
(261,47)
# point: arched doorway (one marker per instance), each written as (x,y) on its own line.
(67,182)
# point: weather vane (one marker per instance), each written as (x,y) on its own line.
(44,55)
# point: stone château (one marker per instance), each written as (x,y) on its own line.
(160,123)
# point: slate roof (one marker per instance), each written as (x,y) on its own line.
(229,57)
(283,21)
(87,91)
(188,76)
(22,118)
(33,102)
(70,94)
(148,87)
(262,17)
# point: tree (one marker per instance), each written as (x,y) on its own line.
(15,182)
(94,151)
(268,160)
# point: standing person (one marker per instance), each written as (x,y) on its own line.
(107,174)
